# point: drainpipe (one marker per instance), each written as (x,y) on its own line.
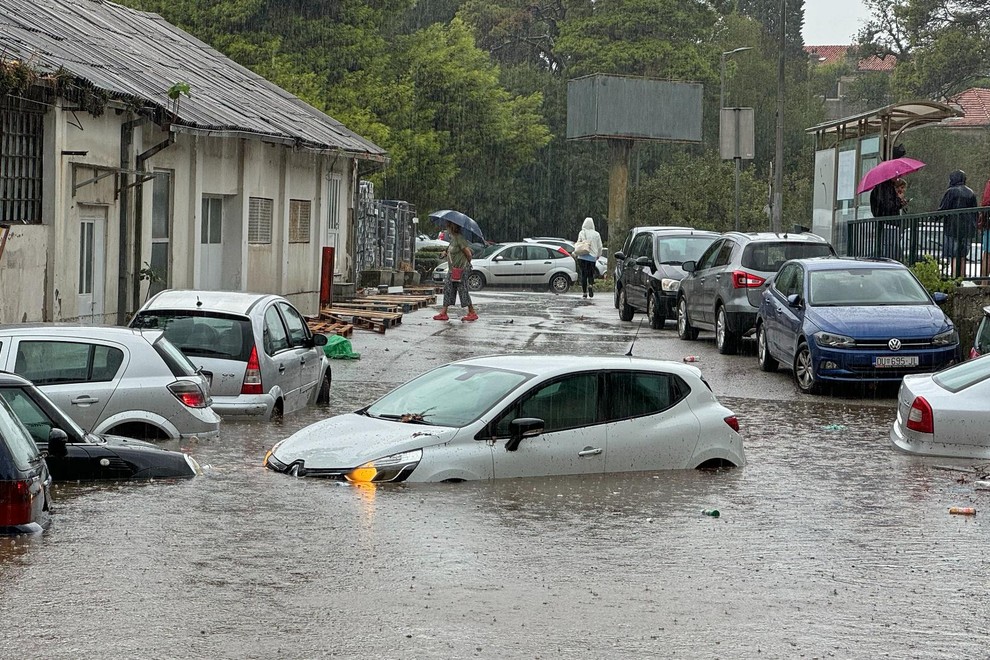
(126,142)
(139,211)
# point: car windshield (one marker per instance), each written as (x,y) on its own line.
(965,374)
(202,334)
(769,256)
(486,251)
(675,250)
(452,395)
(848,287)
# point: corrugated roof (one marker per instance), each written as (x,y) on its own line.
(833,54)
(975,104)
(139,55)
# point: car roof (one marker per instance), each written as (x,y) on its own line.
(9,378)
(230,302)
(76,330)
(552,365)
(804,237)
(838,263)
(681,231)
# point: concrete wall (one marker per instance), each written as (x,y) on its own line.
(965,308)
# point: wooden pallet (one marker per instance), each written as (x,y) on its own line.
(372,305)
(330,327)
(408,302)
(362,318)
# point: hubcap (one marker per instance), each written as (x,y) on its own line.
(720,328)
(681,316)
(761,345)
(803,369)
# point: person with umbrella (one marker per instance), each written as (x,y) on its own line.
(459,266)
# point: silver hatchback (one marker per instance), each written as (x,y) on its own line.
(263,359)
(112,380)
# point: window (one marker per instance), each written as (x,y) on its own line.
(260,211)
(18,440)
(211,230)
(298,331)
(514,253)
(34,419)
(635,394)
(787,281)
(161,229)
(771,256)
(21,149)
(708,258)
(299,220)
(537,253)
(275,338)
(59,362)
(87,230)
(642,245)
(562,404)
(333,203)
(724,254)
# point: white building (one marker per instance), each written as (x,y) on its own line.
(105,179)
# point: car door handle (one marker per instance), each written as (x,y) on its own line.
(302,361)
(84,400)
(590,451)
(281,368)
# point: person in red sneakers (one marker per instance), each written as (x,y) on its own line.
(459,266)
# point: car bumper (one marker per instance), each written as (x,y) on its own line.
(668,303)
(244,406)
(741,321)
(858,365)
(925,444)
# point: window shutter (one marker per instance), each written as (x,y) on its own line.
(260,220)
(299,220)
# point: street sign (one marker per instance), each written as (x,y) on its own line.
(736,133)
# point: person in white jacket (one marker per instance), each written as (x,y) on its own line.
(590,238)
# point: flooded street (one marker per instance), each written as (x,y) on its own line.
(829,543)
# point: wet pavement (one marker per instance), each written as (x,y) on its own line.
(829,543)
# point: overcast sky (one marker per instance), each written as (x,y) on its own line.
(832,22)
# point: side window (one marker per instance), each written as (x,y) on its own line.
(562,404)
(32,417)
(785,282)
(19,442)
(635,394)
(537,253)
(58,362)
(641,245)
(724,254)
(515,253)
(298,331)
(708,257)
(275,339)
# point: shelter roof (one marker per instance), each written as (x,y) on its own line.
(893,118)
(136,57)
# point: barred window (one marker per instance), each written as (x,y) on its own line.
(260,220)
(21,148)
(299,220)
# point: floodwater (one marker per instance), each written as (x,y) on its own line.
(829,544)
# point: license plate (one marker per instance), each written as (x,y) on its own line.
(896,361)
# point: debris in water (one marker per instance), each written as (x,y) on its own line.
(963,510)
(834,427)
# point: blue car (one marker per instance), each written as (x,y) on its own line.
(852,320)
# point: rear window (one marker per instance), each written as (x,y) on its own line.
(964,375)
(175,360)
(19,443)
(211,335)
(770,256)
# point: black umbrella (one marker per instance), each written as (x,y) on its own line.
(469,227)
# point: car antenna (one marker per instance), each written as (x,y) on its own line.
(633,342)
(199,303)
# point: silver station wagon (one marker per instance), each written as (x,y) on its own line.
(113,380)
(262,357)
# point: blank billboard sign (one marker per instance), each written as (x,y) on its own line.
(603,106)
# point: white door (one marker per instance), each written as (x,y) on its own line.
(92,263)
(210,245)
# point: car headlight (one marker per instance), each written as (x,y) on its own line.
(668,284)
(396,467)
(946,338)
(833,340)
(193,464)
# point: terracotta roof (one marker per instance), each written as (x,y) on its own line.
(975,104)
(836,54)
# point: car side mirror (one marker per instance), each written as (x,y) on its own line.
(620,255)
(794,300)
(498,258)
(940,297)
(689,266)
(523,427)
(57,438)
(319,339)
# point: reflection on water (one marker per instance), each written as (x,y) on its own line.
(829,543)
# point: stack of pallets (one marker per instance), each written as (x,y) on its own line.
(326,327)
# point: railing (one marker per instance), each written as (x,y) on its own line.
(911,238)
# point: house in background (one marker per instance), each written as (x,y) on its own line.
(975,106)
(134,157)
(851,67)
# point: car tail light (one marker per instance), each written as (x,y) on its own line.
(563,251)
(189,393)
(743,280)
(15,503)
(973,353)
(252,375)
(920,418)
(733,423)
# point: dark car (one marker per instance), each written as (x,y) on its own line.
(853,320)
(651,270)
(617,266)
(25,484)
(723,289)
(74,455)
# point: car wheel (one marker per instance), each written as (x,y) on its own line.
(726,341)
(625,311)
(560,283)
(475,281)
(324,394)
(654,311)
(277,411)
(616,297)
(684,329)
(767,361)
(804,370)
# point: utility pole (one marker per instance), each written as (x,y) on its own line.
(777,201)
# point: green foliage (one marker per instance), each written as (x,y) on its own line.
(426,260)
(929,273)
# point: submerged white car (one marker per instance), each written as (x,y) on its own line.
(945,413)
(520,416)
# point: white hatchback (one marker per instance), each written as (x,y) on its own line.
(514,264)
(522,416)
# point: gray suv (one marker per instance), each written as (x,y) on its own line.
(723,288)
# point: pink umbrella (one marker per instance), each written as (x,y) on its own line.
(887,170)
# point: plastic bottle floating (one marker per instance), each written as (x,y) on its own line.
(710,512)
(963,510)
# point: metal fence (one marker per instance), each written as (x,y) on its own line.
(385,234)
(912,238)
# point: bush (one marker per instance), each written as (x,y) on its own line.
(929,273)
(426,260)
